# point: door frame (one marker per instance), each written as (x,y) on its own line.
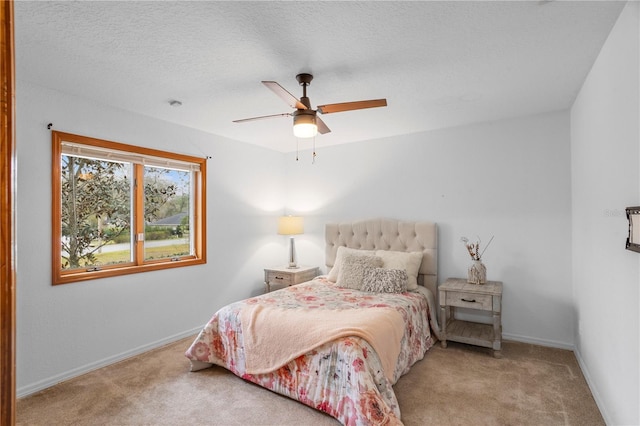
(7,218)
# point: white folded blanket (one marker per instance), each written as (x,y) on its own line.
(275,336)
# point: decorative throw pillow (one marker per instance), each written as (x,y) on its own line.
(343,251)
(410,262)
(352,270)
(380,280)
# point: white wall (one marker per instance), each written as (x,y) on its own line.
(510,179)
(605,150)
(65,330)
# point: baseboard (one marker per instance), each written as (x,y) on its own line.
(593,388)
(54,380)
(536,341)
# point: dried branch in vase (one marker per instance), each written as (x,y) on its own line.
(474,247)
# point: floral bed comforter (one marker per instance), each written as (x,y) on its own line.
(343,378)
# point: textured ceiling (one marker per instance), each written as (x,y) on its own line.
(439,64)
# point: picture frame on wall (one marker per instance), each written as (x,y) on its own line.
(633,239)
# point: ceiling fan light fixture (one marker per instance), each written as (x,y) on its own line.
(304,125)
(306,122)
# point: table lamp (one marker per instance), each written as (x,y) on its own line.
(291,225)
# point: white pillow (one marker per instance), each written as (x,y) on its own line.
(353,269)
(343,251)
(410,262)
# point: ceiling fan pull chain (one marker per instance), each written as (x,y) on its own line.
(313,159)
(297,141)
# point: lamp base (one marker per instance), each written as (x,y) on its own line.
(292,254)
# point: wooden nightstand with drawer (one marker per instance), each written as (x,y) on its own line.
(282,276)
(458,293)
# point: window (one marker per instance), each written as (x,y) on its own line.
(120,209)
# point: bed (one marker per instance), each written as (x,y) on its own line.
(340,342)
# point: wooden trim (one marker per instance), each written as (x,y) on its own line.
(56,205)
(119,146)
(138,207)
(115,272)
(60,276)
(7,228)
(201,242)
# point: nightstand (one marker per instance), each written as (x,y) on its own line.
(283,276)
(457,292)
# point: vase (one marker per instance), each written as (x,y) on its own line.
(477,273)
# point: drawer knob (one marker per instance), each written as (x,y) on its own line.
(469,300)
(279,278)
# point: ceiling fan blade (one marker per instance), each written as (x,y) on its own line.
(243,120)
(350,106)
(291,100)
(322,128)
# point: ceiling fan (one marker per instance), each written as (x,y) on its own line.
(306,122)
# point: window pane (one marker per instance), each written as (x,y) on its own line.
(167,213)
(95,212)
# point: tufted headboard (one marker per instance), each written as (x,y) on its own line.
(388,234)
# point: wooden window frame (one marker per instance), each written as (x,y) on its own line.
(61,276)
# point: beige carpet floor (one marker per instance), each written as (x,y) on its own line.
(460,385)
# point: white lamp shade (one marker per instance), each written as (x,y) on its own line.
(304,126)
(305,130)
(290,225)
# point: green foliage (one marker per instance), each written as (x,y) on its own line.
(122,238)
(154,198)
(157,233)
(94,197)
